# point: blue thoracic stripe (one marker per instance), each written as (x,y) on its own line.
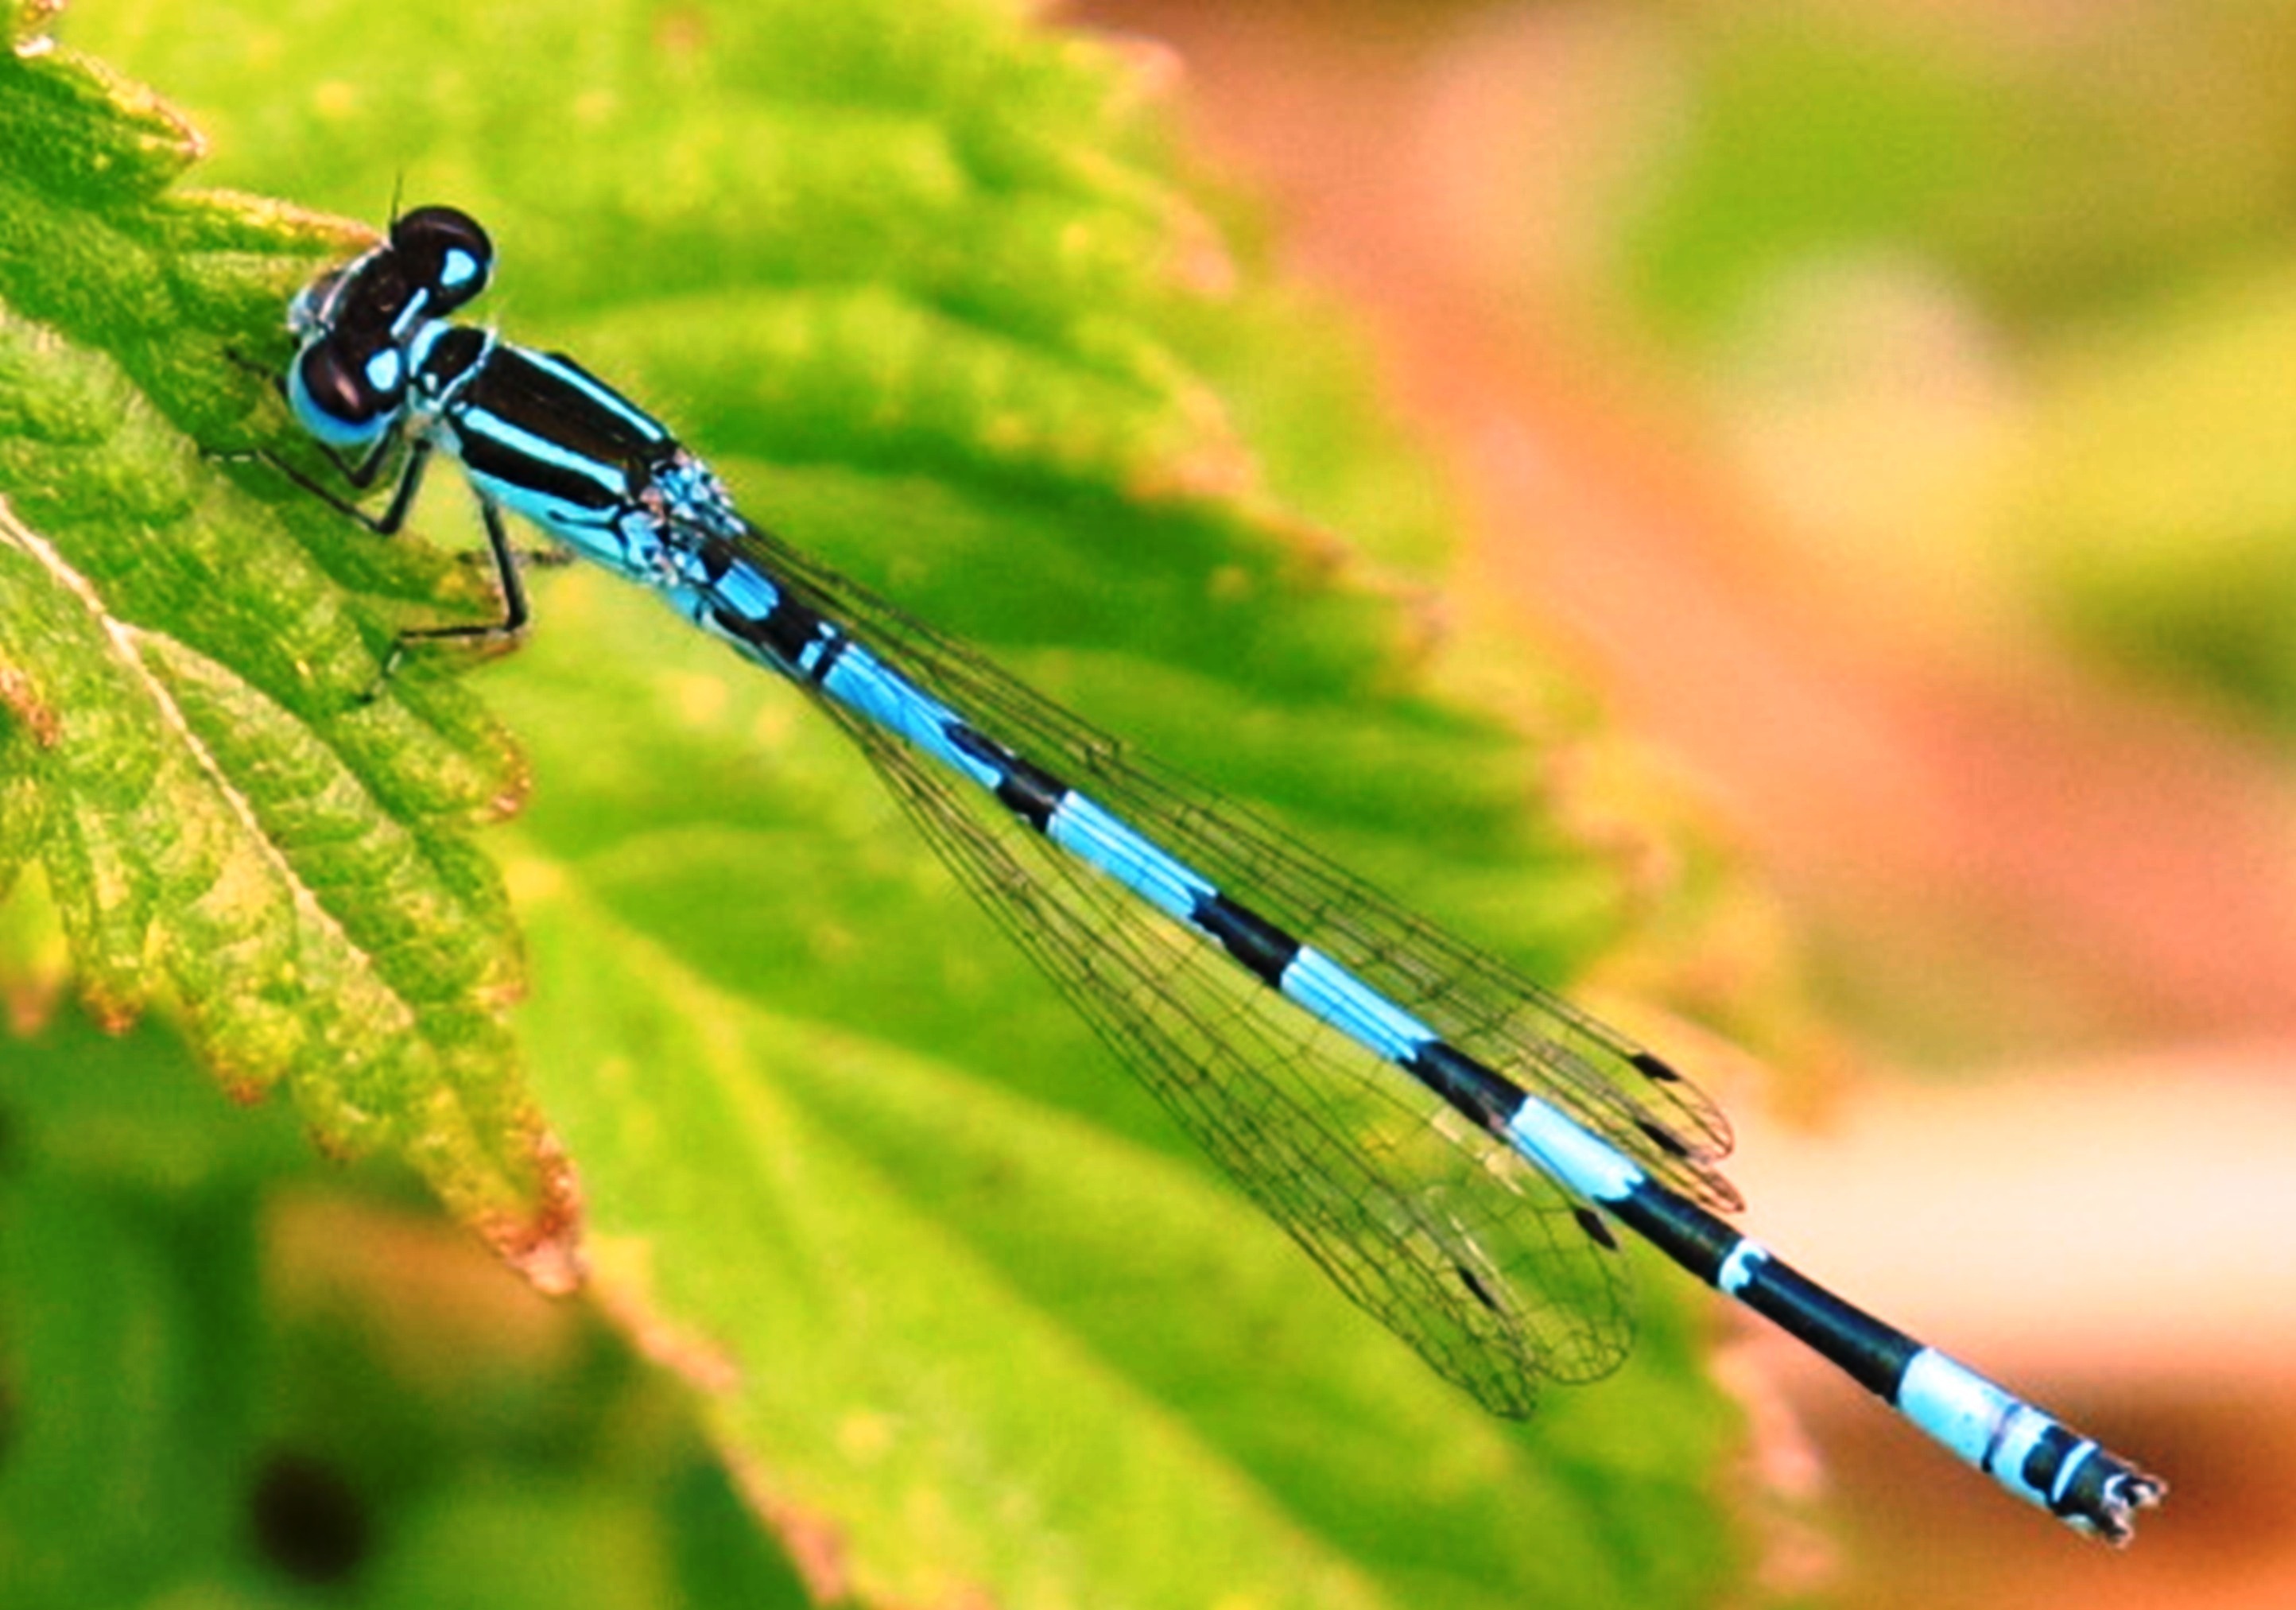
(378,364)
(508,438)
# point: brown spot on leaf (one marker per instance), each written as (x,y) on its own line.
(21,700)
(544,1243)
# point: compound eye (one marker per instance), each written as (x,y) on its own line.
(444,250)
(337,396)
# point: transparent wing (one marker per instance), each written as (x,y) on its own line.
(1486,1008)
(1450,1238)
(1492,1271)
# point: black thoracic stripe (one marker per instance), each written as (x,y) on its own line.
(1264,949)
(537,397)
(483,455)
(457,351)
(1487,1099)
(1873,1354)
(1028,792)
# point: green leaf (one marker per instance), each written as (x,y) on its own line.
(923,280)
(220,817)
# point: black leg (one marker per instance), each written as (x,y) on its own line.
(362,475)
(516,612)
(268,374)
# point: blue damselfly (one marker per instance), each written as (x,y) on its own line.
(1451,1142)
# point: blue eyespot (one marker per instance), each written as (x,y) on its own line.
(383,371)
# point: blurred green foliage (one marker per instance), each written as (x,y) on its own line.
(236,1377)
(2101,200)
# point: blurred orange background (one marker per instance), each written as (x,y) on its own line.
(1893,405)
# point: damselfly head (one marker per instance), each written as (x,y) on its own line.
(361,324)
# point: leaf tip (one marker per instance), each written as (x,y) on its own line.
(543,1241)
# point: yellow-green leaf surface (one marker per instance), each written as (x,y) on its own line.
(968,1320)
